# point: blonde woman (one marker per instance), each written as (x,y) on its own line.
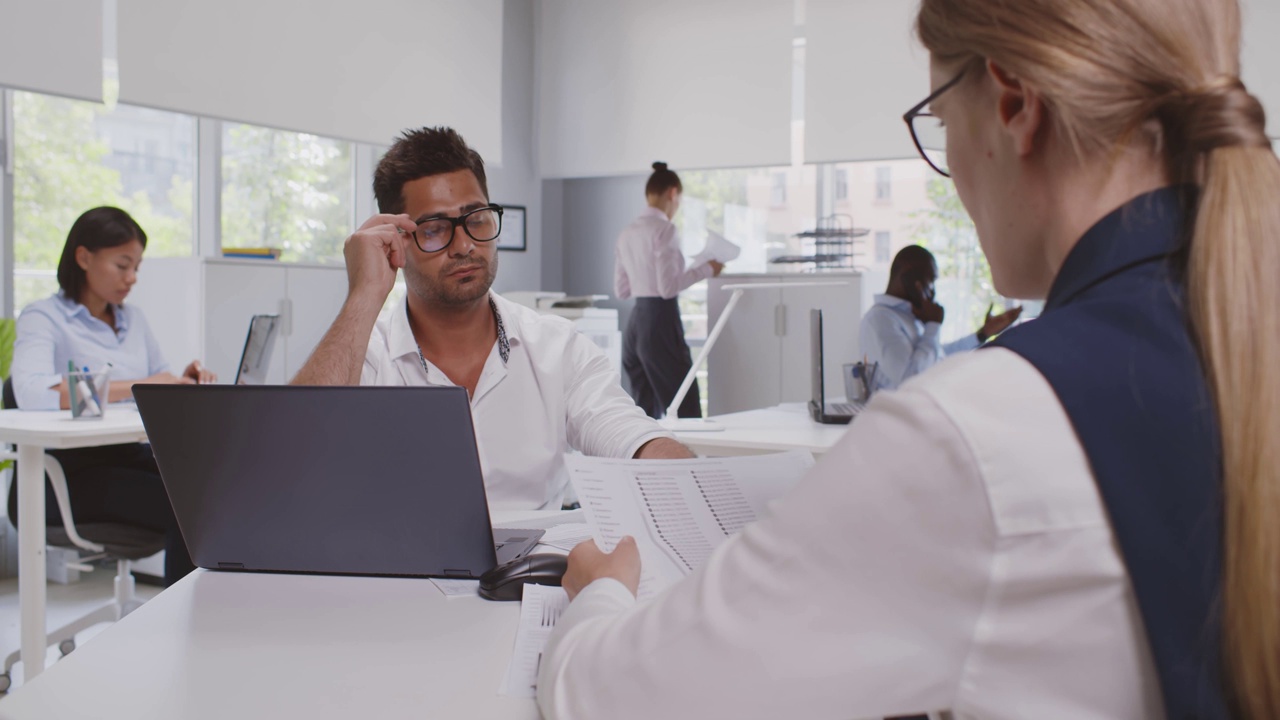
(1097,539)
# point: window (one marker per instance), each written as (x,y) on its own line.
(71,155)
(884,183)
(884,252)
(778,193)
(286,190)
(842,184)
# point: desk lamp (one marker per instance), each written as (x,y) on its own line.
(670,420)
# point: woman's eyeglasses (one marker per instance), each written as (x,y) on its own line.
(482,225)
(928,132)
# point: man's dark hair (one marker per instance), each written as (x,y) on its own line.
(911,257)
(101,227)
(418,154)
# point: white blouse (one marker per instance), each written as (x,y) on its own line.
(952,552)
(649,260)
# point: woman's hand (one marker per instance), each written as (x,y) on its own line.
(165,378)
(199,373)
(588,563)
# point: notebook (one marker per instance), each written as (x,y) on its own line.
(333,480)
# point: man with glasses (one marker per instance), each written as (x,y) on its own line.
(538,388)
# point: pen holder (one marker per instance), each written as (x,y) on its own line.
(88,391)
(859,381)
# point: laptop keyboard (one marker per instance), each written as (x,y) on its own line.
(845,408)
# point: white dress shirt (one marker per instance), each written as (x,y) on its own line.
(556,392)
(649,261)
(56,330)
(905,347)
(950,552)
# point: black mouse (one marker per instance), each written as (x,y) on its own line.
(506,582)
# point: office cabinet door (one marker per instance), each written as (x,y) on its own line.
(841,313)
(314,295)
(234,293)
(169,294)
(745,364)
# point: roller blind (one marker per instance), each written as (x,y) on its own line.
(697,84)
(355,70)
(863,70)
(52,46)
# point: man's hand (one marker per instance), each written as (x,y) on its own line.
(663,449)
(994,325)
(716,267)
(375,252)
(588,563)
(923,306)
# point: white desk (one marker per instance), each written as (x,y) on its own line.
(33,433)
(247,645)
(755,432)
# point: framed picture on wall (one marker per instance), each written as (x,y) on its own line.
(513,228)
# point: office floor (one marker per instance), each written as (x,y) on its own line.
(66,603)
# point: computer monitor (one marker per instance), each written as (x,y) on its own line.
(255,359)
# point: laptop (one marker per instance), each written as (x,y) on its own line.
(821,410)
(255,359)
(331,480)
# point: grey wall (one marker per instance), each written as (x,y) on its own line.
(517,181)
(594,211)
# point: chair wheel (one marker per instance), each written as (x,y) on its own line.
(5,682)
(66,646)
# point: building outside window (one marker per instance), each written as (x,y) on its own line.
(884,183)
(842,184)
(884,252)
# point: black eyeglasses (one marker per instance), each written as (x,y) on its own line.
(482,225)
(928,132)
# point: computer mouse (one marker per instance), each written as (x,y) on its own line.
(506,582)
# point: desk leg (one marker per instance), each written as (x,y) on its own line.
(31,558)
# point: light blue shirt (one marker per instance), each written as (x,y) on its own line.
(892,336)
(57,330)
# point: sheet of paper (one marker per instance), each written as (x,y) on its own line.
(456,588)
(679,511)
(540,608)
(718,248)
(566,536)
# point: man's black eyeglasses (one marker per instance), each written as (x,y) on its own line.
(927,131)
(482,225)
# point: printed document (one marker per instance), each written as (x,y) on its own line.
(678,511)
(540,608)
(718,248)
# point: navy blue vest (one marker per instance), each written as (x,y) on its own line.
(1114,342)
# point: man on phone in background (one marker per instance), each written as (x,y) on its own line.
(900,331)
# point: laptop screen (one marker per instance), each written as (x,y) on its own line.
(255,360)
(815,357)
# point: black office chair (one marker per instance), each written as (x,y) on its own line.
(120,542)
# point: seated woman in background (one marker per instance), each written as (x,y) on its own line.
(87,324)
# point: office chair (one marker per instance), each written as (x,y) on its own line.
(116,541)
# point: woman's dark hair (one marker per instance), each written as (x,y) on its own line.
(662,180)
(101,227)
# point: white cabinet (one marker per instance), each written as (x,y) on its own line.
(762,357)
(201,307)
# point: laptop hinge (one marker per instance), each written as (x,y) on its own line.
(457,573)
(230,566)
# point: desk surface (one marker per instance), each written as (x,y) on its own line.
(246,645)
(55,428)
(785,427)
